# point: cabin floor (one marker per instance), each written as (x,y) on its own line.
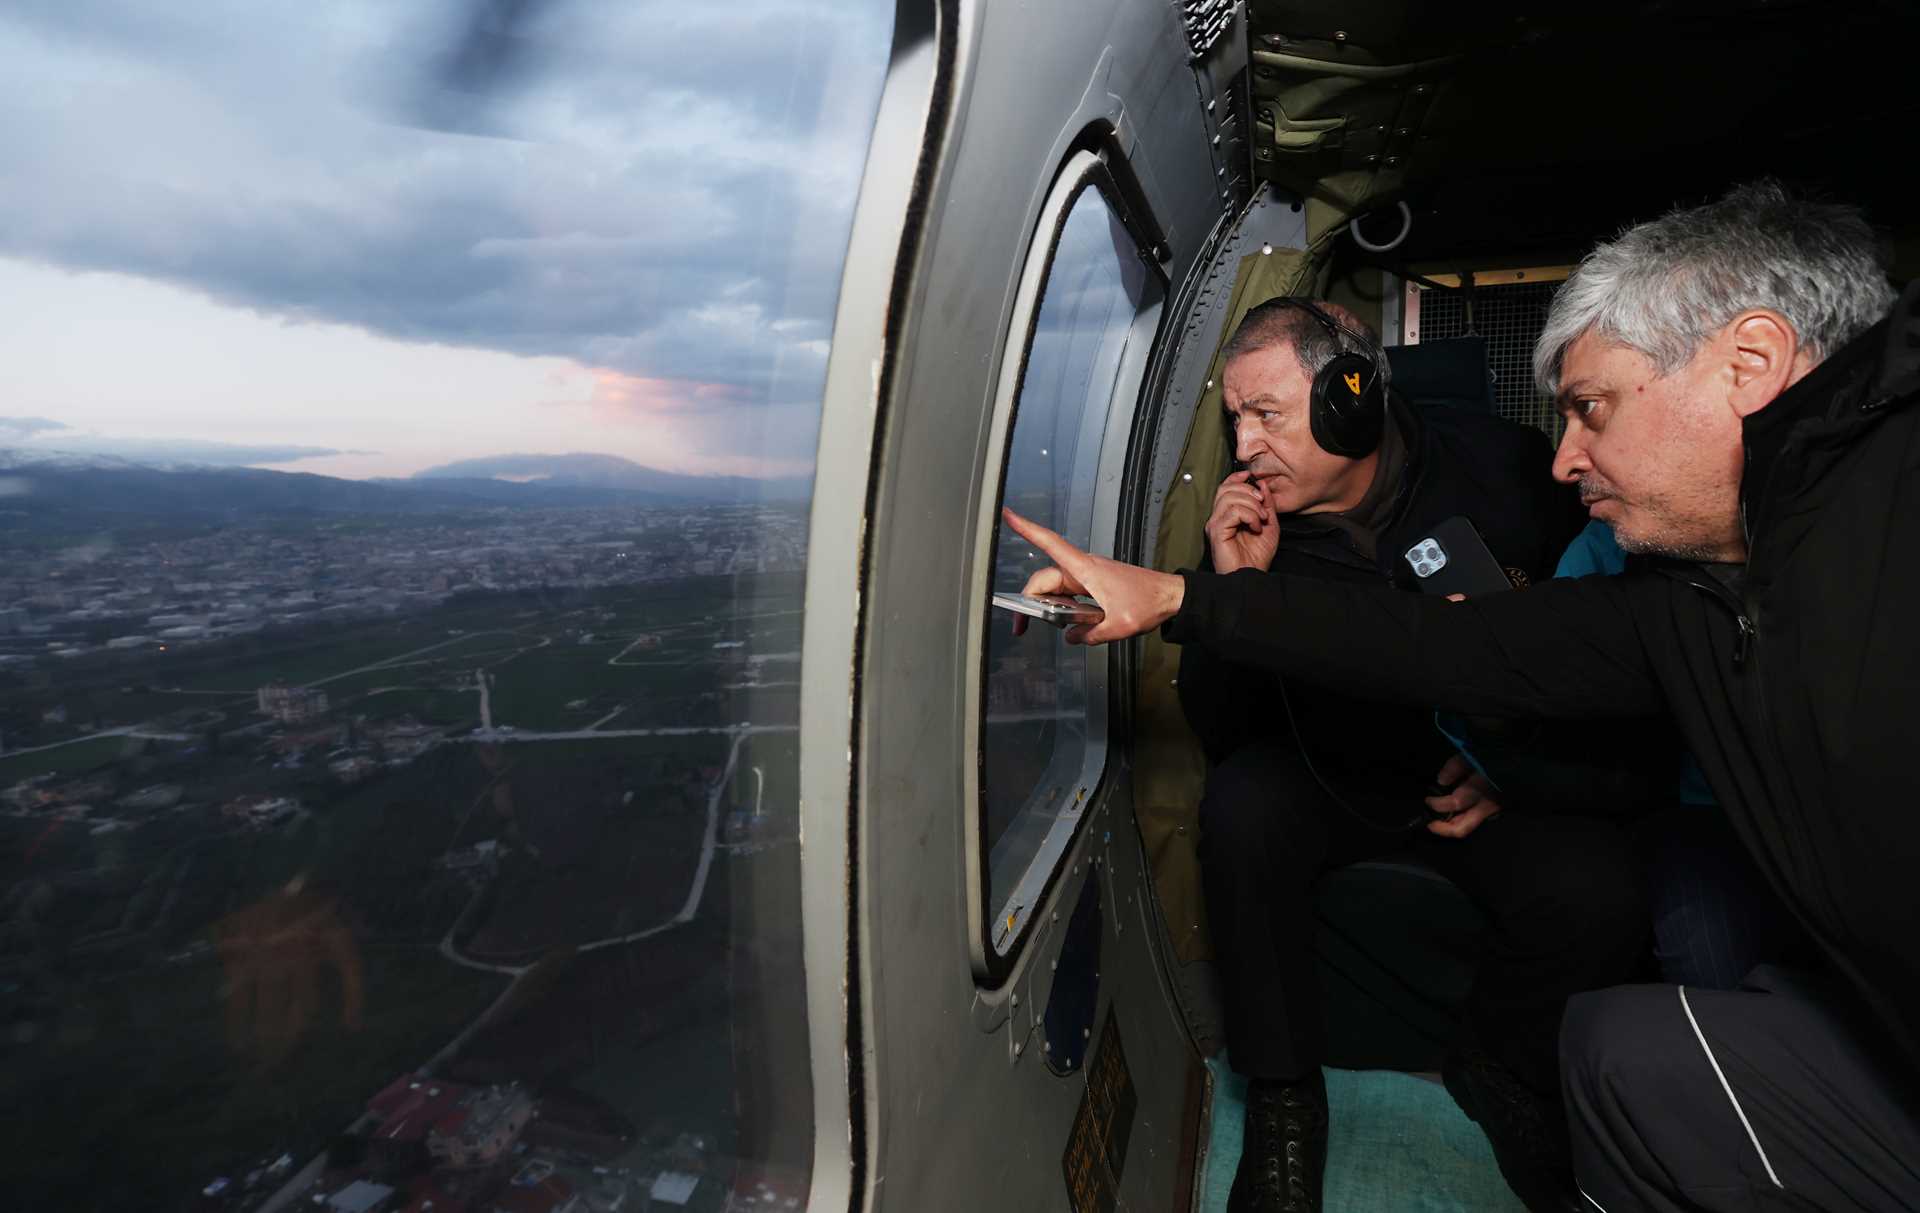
(1398,1144)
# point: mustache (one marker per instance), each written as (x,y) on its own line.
(1594,488)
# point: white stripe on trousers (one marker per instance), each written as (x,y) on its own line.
(1728,1088)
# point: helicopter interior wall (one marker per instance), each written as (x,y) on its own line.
(953,1068)
(1546,127)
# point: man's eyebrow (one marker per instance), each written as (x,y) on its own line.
(1579,389)
(1250,401)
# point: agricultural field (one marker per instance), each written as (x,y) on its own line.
(221,933)
(75,758)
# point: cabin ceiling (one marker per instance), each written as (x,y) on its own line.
(1518,129)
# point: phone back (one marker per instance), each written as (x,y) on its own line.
(1453,559)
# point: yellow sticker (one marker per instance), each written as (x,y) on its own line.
(1353,382)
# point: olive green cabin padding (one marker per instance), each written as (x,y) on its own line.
(1170,770)
(1340,129)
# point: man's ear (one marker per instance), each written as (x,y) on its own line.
(1765,358)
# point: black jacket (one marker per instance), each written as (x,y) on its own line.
(1378,752)
(1793,680)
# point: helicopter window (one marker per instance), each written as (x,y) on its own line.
(400,596)
(1043,741)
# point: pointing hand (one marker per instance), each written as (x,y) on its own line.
(1135,600)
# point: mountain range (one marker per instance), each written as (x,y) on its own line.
(583,471)
(97,490)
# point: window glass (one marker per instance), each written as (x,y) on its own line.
(404,485)
(1042,747)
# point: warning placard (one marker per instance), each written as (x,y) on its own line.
(1097,1147)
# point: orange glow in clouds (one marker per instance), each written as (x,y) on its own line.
(620,396)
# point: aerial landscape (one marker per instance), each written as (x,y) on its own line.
(445,850)
(406,459)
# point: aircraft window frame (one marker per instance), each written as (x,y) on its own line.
(999,933)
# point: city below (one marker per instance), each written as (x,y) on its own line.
(105,597)
(404,861)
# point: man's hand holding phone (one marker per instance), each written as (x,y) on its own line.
(1242,532)
(1135,600)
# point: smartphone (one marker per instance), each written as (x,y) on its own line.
(1056,609)
(1453,559)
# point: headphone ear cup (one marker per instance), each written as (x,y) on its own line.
(1347,409)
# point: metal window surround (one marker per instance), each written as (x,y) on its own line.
(994,952)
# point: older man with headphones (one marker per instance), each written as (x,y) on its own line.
(1337,477)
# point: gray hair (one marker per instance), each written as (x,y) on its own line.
(1662,288)
(1284,321)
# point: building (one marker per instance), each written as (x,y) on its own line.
(291,705)
(481,1127)
(352,769)
(407,1110)
(361,1196)
(296,742)
(261,810)
(771,1190)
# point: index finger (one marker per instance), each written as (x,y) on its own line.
(1059,550)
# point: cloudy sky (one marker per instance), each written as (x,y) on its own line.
(362,238)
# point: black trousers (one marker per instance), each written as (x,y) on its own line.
(1779,1095)
(1563,895)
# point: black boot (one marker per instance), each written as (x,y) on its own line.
(1528,1130)
(1283,1157)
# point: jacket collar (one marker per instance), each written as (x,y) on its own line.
(1877,369)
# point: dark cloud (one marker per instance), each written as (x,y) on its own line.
(16,429)
(659,188)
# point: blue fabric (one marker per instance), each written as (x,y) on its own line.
(1454,729)
(1397,1144)
(1593,552)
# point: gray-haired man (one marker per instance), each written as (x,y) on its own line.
(1739,402)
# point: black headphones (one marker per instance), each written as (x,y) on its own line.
(1347,404)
